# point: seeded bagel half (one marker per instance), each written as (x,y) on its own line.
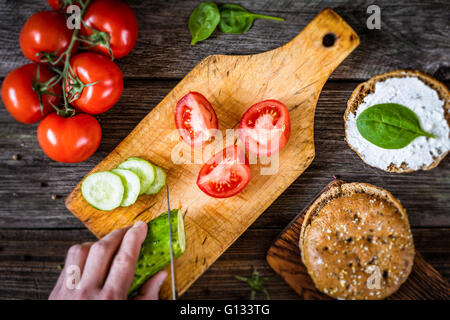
(368,87)
(352,233)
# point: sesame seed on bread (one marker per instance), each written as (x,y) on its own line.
(352,232)
(368,87)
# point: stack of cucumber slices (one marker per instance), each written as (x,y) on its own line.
(108,190)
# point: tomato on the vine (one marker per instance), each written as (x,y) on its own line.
(115,18)
(195,119)
(21,99)
(265,127)
(101,82)
(72,139)
(45,31)
(226,174)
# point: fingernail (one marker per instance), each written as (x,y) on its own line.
(139,224)
(163,277)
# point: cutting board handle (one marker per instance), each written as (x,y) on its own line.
(322,45)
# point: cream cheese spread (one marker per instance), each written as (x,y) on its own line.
(414,94)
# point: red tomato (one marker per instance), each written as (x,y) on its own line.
(92,67)
(265,127)
(226,174)
(54,4)
(21,100)
(45,31)
(71,139)
(195,119)
(117,19)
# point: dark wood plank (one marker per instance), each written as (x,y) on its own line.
(27,185)
(413,35)
(29,262)
(284,256)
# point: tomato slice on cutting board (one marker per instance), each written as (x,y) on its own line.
(195,119)
(265,127)
(226,174)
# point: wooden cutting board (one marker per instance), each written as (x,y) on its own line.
(424,282)
(294,74)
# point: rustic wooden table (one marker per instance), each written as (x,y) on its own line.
(36,231)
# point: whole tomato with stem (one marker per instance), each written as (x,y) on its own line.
(95,83)
(72,139)
(112,24)
(21,90)
(46,32)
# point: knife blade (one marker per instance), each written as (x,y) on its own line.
(172,269)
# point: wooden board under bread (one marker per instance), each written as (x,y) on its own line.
(293,74)
(284,258)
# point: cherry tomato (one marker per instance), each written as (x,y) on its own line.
(92,68)
(54,4)
(71,139)
(226,174)
(117,19)
(195,119)
(45,31)
(21,100)
(265,127)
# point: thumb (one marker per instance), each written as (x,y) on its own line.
(150,289)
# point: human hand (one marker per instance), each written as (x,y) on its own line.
(104,270)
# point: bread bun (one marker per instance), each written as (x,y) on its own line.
(366,88)
(356,242)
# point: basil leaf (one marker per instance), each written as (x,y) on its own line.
(235,19)
(390,126)
(203,21)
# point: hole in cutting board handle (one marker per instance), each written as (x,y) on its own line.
(329,40)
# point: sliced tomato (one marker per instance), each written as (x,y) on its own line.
(226,174)
(265,127)
(195,119)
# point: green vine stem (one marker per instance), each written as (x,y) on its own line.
(43,88)
(256,283)
(66,75)
(95,39)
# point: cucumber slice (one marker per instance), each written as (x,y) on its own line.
(103,190)
(144,169)
(155,250)
(159,182)
(132,185)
